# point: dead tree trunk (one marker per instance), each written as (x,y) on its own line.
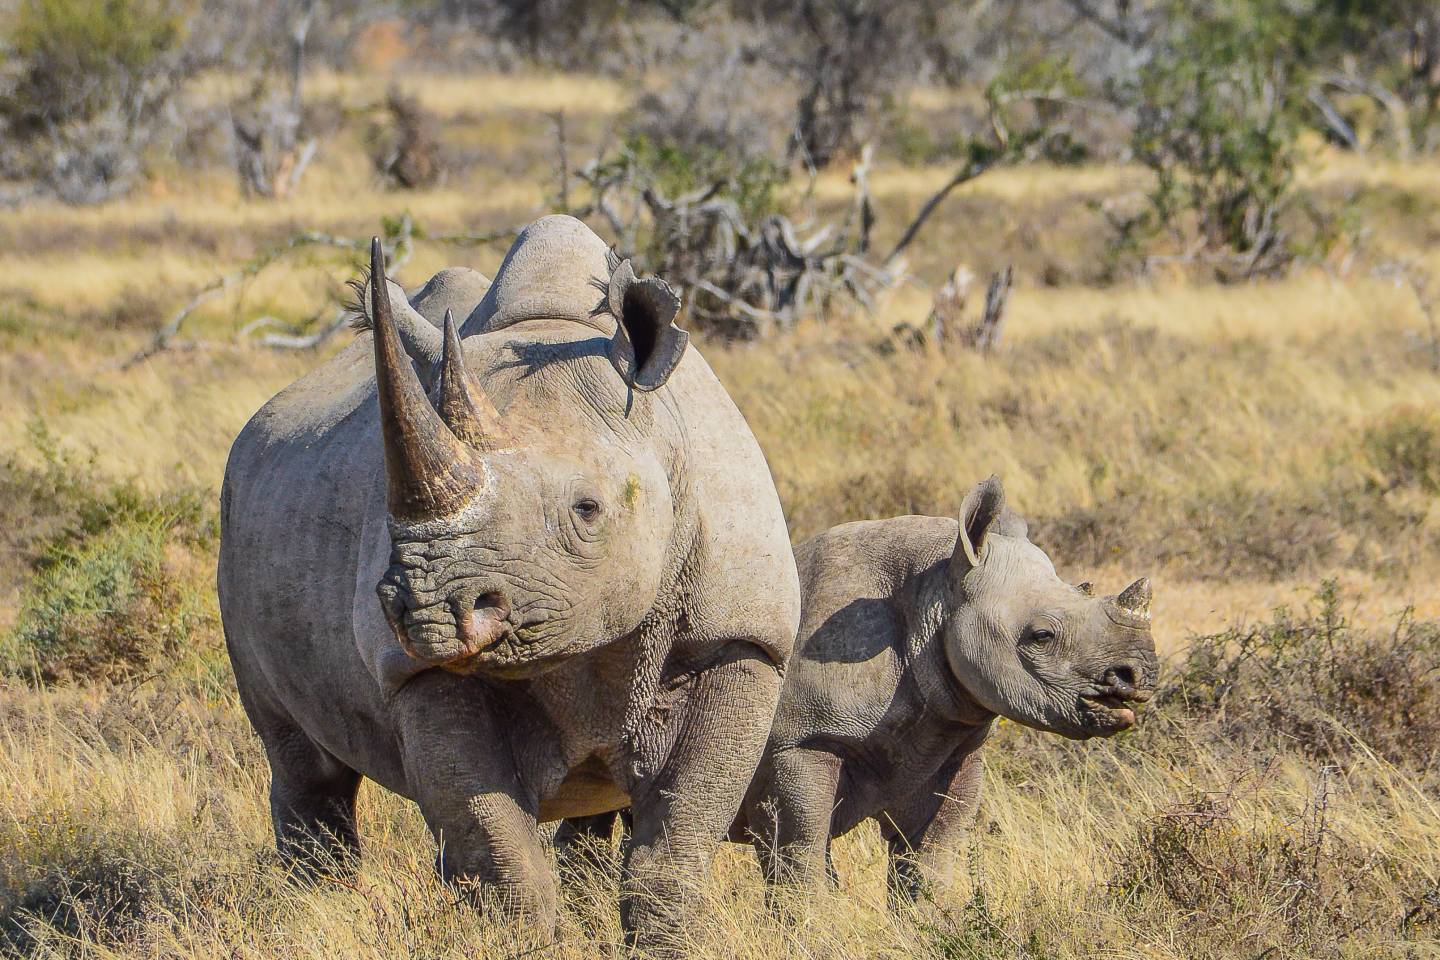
(987,332)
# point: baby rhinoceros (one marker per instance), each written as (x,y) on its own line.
(915,634)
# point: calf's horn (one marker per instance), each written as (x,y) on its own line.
(462,402)
(429,471)
(1135,599)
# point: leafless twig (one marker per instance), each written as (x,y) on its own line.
(399,250)
(963,175)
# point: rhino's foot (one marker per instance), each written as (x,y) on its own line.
(522,898)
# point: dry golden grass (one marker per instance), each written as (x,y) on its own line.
(130,835)
(1235,442)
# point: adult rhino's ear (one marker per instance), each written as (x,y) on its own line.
(979,514)
(647,345)
(1011,524)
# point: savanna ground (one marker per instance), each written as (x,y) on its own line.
(1251,446)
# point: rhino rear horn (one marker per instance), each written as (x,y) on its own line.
(647,346)
(429,471)
(461,401)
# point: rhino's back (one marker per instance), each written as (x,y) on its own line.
(858,591)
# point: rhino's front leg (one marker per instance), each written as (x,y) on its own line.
(788,813)
(682,812)
(459,769)
(924,832)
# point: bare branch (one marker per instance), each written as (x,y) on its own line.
(1394,107)
(996,298)
(963,175)
(1333,118)
(165,336)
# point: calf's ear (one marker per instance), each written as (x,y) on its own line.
(647,346)
(979,514)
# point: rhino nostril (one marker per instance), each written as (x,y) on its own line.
(493,604)
(1123,675)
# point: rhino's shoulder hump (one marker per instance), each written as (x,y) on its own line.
(457,289)
(550,272)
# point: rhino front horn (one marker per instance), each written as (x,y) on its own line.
(1135,599)
(429,471)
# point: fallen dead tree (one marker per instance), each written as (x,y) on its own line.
(747,277)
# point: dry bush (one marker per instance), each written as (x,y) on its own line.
(1403,445)
(1241,879)
(709,108)
(405,148)
(852,59)
(1311,683)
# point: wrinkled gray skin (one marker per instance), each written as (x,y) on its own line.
(568,591)
(916,633)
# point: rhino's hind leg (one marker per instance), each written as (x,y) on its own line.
(312,804)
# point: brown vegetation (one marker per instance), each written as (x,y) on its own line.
(1240,442)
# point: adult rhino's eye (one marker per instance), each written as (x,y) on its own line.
(1039,635)
(587,509)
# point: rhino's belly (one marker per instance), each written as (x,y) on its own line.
(588,789)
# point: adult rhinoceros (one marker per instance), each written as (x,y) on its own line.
(557,584)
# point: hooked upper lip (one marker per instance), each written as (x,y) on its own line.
(1118,703)
(1119,694)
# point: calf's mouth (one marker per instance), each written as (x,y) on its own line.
(1113,704)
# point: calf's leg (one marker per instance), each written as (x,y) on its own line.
(789,812)
(924,831)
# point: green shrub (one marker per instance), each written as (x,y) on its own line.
(1404,448)
(79,56)
(84,90)
(1220,106)
(752,182)
(119,579)
(39,497)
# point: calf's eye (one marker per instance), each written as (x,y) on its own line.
(587,509)
(1040,636)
